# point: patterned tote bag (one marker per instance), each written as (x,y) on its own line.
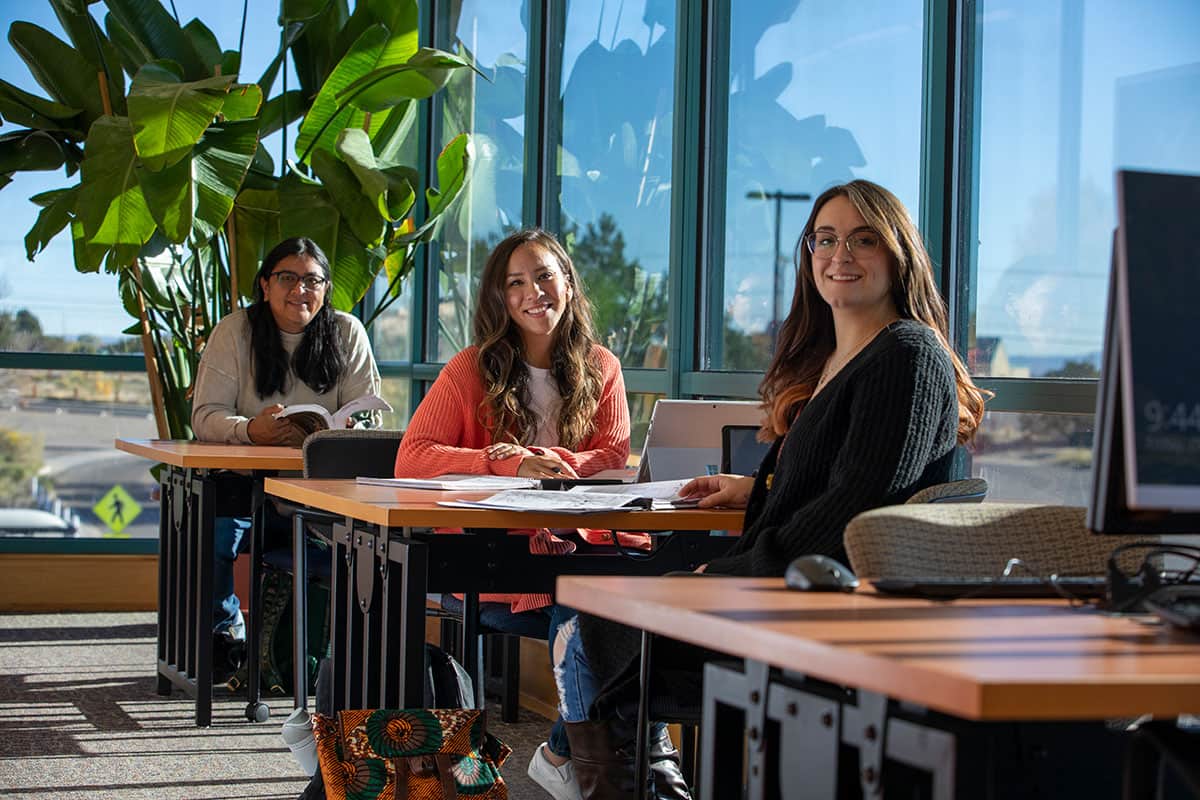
(413,754)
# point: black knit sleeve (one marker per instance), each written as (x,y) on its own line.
(899,405)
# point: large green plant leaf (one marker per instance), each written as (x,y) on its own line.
(219,165)
(301,10)
(111,206)
(316,51)
(22,108)
(57,207)
(396,140)
(401,257)
(170,116)
(88,257)
(354,148)
(207,48)
(58,68)
(417,78)
(25,150)
(256,228)
(282,110)
(148,22)
(133,53)
(453,168)
(169,194)
(401,18)
(242,102)
(356,209)
(326,119)
(92,44)
(307,210)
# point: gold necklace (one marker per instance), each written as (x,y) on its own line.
(832,368)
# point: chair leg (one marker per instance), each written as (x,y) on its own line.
(450,636)
(510,701)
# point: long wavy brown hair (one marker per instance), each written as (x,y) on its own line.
(806,338)
(505,410)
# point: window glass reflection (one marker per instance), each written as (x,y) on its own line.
(56,444)
(615,167)
(1069,93)
(495,34)
(820,92)
(1035,458)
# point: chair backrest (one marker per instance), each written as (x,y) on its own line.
(974,540)
(969,490)
(349,453)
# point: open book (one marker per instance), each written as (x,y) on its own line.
(310,417)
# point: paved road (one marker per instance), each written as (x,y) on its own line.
(79,457)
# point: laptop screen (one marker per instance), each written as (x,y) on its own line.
(684,438)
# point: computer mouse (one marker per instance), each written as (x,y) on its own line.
(819,574)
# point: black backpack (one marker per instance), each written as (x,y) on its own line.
(447,685)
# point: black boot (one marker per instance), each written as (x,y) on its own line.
(669,783)
(603,760)
(604,757)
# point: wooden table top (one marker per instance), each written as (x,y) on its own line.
(210,455)
(974,659)
(384,505)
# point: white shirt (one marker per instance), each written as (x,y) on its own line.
(546,403)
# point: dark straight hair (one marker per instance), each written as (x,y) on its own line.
(320,360)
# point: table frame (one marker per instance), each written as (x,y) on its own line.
(384,562)
(922,671)
(188,505)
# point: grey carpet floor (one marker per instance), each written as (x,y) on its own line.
(79,718)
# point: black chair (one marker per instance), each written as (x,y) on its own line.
(345,453)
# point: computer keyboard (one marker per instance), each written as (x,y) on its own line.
(1177,605)
(945,588)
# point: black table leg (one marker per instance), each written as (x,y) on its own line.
(642,765)
(202,535)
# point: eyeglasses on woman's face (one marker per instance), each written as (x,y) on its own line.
(862,242)
(288,280)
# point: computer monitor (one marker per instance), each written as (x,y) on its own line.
(1146,452)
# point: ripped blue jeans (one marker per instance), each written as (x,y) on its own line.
(573,675)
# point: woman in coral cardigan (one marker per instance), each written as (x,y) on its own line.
(535,396)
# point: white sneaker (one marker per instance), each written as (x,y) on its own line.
(559,782)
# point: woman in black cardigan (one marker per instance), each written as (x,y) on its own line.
(865,401)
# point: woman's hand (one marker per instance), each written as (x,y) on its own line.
(503,450)
(730,491)
(546,465)
(266,429)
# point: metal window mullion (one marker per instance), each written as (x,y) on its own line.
(77,362)
(714,39)
(424,285)
(543,114)
(961,276)
(938,101)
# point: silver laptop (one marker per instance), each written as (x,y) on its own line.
(684,438)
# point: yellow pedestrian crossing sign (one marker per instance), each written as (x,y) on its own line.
(117,509)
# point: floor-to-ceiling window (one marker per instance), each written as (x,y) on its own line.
(1068,93)
(494,33)
(819,93)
